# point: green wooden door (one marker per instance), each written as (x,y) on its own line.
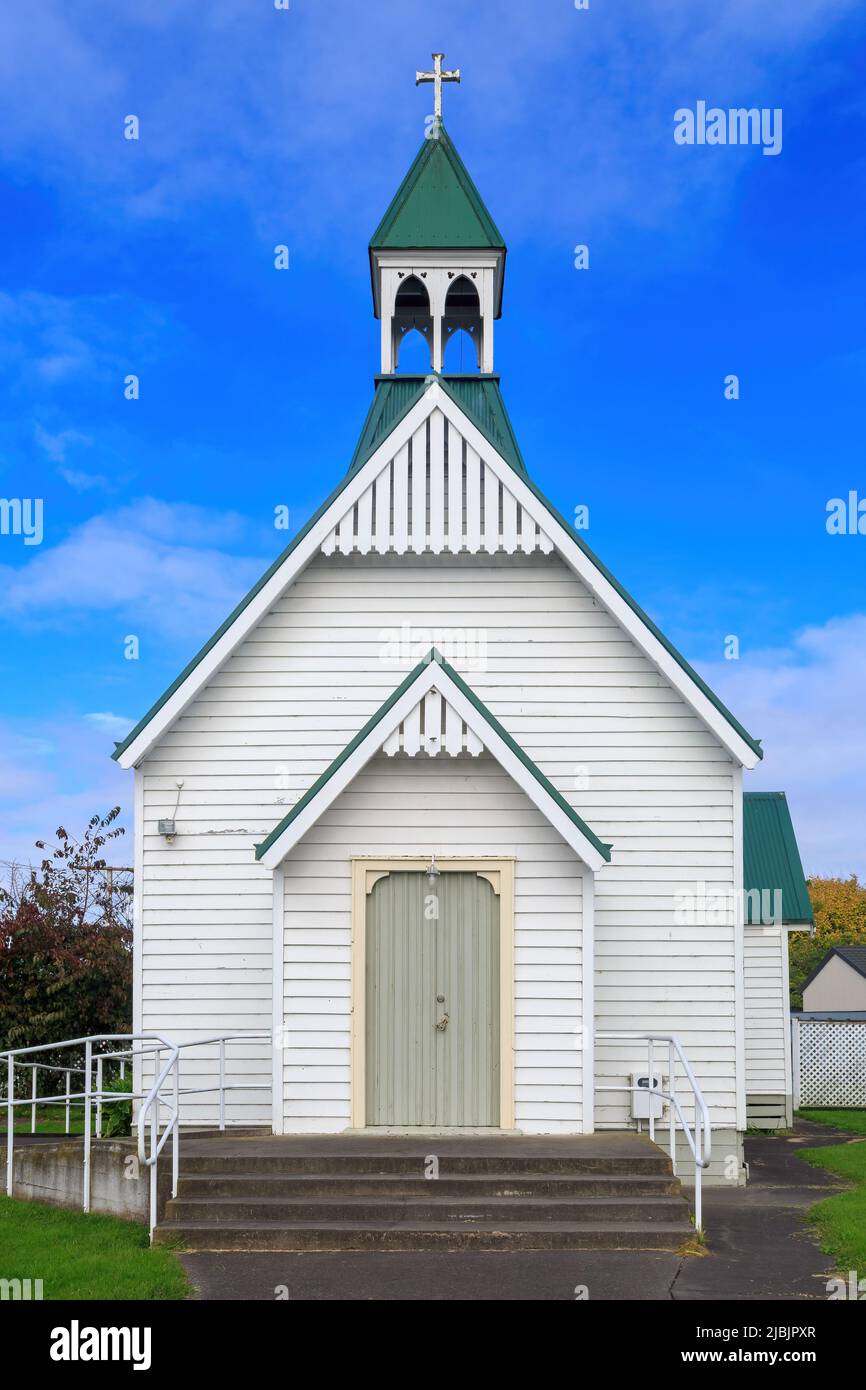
(432,1006)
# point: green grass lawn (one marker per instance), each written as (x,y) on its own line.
(78,1256)
(852,1120)
(50,1119)
(841,1220)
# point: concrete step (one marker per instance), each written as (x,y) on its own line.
(370,1235)
(311,1186)
(651,1162)
(372,1192)
(450,1211)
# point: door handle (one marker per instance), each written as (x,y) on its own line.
(442,1024)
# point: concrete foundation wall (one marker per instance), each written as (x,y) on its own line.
(54,1173)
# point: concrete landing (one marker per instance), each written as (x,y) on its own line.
(604,1145)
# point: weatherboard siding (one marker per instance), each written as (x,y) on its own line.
(564,680)
(767,1020)
(466,807)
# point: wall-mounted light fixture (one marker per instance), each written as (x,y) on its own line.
(432,871)
(168,828)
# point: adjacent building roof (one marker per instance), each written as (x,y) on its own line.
(855,956)
(478,396)
(433,672)
(437,204)
(771,859)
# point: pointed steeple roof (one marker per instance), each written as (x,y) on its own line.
(437,204)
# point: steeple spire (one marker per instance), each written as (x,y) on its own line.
(437,258)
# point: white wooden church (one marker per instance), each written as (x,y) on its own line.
(428,811)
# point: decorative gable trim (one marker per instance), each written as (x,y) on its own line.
(435,727)
(432,683)
(437,494)
(600,582)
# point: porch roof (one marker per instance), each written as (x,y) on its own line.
(434,673)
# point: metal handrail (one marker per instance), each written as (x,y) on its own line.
(157,1144)
(701,1142)
(140,1045)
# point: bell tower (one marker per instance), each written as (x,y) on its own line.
(437,259)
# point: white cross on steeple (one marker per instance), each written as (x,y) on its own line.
(437,77)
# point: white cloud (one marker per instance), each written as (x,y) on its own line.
(57,772)
(47,340)
(158,566)
(117,725)
(81,481)
(807,702)
(57,445)
(235,105)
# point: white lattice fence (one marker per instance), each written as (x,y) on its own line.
(829,1061)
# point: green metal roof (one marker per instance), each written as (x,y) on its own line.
(481,399)
(478,396)
(433,656)
(437,204)
(393,397)
(771,859)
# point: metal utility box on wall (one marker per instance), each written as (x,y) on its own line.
(643,1096)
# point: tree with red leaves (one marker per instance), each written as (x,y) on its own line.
(66,943)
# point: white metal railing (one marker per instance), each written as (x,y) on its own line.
(166,1095)
(160,1111)
(699,1140)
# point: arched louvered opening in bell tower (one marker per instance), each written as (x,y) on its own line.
(462,327)
(412,326)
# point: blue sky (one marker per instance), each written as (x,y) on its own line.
(260,127)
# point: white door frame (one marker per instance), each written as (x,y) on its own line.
(499,872)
